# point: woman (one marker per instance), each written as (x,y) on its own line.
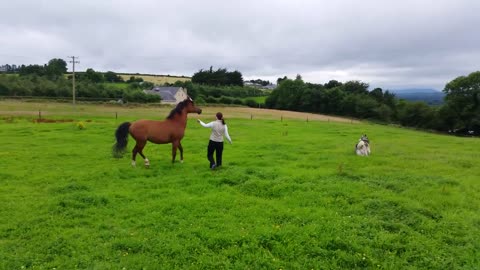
(219,129)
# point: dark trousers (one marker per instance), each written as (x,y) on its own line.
(216,147)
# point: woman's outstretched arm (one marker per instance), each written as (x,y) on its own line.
(209,125)
(227,135)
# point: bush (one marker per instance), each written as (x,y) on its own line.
(200,101)
(225,100)
(211,100)
(251,103)
(237,101)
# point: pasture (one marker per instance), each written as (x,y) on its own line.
(156,79)
(260,99)
(291,194)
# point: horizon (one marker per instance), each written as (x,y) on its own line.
(245,79)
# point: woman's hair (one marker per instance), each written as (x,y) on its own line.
(220,117)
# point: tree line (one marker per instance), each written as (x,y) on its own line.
(459,113)
(219,77)
(49,80)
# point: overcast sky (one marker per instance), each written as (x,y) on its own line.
(388,44)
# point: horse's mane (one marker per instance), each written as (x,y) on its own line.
(178,109)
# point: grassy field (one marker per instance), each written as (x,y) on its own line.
(120,86)
(291,195)
(156,79)
(260,100)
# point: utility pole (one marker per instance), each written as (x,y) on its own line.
(73,76)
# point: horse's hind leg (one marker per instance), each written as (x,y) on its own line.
(134,155)
(174,150)
(147,162)
(181,151)
(139,149)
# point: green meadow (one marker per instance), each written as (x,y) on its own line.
(260,99)
(291,195)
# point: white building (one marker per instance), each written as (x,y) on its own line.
(171,95)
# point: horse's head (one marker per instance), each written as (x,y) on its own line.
(190,106)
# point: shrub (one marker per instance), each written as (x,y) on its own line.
(210,100)
(237,101)
(80,125)
(225,100)
(251,103)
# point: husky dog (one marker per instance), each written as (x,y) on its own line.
(362,148)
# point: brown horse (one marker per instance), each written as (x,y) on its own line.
(170,130)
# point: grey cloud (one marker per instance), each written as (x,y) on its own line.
(390,44)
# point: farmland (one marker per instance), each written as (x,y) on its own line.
(291,194)
(156,79)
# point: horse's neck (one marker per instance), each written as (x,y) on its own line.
(181,118)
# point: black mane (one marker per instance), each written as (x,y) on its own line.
(178,109)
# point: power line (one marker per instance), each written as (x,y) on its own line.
(73,73)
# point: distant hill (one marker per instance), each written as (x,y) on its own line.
(430,96)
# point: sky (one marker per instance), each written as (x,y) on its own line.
(386,43)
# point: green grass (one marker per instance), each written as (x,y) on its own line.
(260,100)
(120,86)
(291,195)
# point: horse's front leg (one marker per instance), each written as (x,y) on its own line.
(174,150)
(181,151)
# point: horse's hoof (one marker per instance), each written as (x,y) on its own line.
(181,161)
(134,164)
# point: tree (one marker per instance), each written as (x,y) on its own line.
(93,76)
(463,99)
(111,76)
(448,119)
(356,87)
(377,94)
(415,114)
(288,95)
(366,107)
(332,83)
(260,82)
(235,78)
(220,77)
(134,79)
(32,69)
(55,68)
(389,99)
(332,98)
(348,105)
(280,80)
(384,113)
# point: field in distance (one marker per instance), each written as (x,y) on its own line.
(156,79)
(150,111)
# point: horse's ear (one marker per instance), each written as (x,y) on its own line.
(189,98)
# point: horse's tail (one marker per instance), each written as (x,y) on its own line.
(121,136)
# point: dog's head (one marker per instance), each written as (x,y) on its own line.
(365,138)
